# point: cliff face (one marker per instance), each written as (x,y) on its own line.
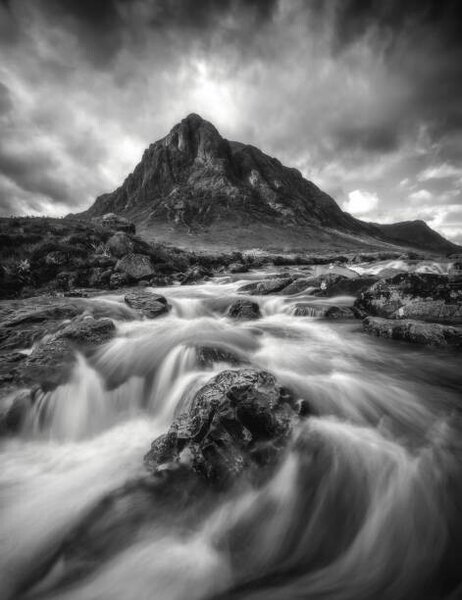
(193,178)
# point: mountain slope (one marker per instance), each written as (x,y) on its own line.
(418,234)
(194,187)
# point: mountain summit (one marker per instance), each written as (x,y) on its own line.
(194,186)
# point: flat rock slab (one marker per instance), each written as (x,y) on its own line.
(418,332)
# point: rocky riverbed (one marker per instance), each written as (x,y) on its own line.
(235,435)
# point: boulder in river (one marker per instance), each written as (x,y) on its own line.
(148,304)
(424,296)
(419,332)
(238,421)
(244,310)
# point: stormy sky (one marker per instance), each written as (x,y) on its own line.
(363,96)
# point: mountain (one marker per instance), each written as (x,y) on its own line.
(194,187)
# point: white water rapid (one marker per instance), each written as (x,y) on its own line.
(366,503)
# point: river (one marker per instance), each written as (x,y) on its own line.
(365,504)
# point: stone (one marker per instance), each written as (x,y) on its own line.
(244,310)
(418,332)
(147,303)
(118,280)
(14,408)
(423,296)
(237,267)
(265,287)
(136,266)
(195,275)
(240,421)
(120,244)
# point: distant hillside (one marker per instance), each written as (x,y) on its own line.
(418,235)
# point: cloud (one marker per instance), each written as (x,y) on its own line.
(361,202)
(441,171)
(420,195)
(357,95)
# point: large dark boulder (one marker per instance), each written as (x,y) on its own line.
(422,296)
(244,310)
(239,421)
(136,266)
(265,287)
(148,304)
(419,332)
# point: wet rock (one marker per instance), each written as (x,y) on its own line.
(207,356)
(244,310)
(237,267)
(195,275)
(419,332)
(326,311)
(239,421)
(136,266)
(350,287)
(51,362)
(423,296)
(118,280)
(148,304)
(88,331)
(265,287)
(297,286)
(14,408)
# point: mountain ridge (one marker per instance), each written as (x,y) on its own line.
(194,185)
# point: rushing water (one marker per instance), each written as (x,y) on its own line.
(365,504)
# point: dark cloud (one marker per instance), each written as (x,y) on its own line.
(359,95)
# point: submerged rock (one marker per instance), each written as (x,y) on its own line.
(423,296)
(239,420)
(148,304)
(207,356)
(244,310)
(419,332)
(14,408)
